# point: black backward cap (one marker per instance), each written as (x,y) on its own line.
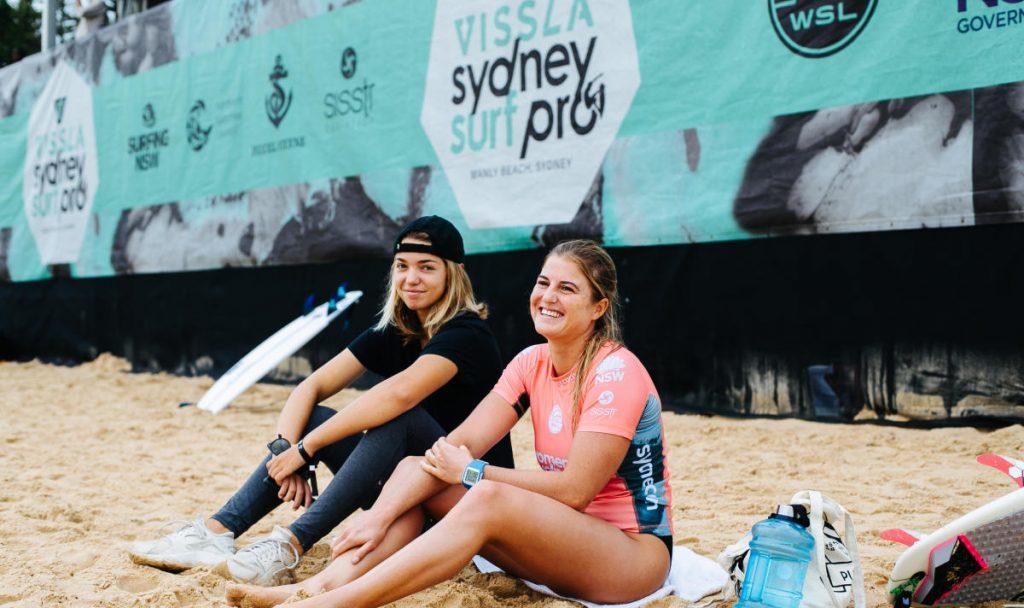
(445,240)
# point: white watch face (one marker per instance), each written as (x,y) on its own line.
(471,476)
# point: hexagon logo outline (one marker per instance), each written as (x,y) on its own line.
(523,100)
(61,172)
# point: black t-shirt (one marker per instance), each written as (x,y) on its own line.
(466,341)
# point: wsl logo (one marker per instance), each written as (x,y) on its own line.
(819,28)
(278,103)
(196,133)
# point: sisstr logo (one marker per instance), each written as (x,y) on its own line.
(522,101)
(983,15)
(819,28)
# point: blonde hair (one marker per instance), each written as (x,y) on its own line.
(599,269)
(457,298)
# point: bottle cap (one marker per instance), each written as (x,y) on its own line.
(793,513)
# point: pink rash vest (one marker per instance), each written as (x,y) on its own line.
(620,399)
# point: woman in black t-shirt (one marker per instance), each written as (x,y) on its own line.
(439,359)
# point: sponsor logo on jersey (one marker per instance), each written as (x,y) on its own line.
(550,463)
(603,412)
(555,420)
(615,376)
(645,467)
(606,397)
(611,363)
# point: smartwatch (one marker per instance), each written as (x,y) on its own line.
(473,473)
(278,445)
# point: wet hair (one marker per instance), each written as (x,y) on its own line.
(457,298)
(599,269)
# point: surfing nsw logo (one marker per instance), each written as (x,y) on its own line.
(610,370)
(145,147)
(278,102)
(196,134)
(148,116)
(819,28)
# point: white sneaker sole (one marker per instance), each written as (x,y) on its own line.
(284,577)
(178,562)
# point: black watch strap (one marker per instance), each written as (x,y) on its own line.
(302,452)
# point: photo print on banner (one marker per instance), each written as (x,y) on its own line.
(523,93)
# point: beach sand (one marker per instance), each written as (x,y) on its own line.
(92,457)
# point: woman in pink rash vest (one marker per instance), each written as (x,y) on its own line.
(594,524)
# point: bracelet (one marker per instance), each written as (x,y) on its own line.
(302,452)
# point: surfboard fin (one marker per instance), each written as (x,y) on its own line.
(307,306)
(1013,468)
(899,535)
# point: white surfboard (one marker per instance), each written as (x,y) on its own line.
(272,351)
(975,558)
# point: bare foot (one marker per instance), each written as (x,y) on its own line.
(251,596)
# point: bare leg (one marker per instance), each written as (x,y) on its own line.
(535,536)
(339,572)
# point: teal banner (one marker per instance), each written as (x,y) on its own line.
(201,135)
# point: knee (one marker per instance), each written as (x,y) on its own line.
(484,503)
(332,578)
(317,416)
(408,465)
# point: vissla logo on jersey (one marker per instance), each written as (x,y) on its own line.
(555,420)
(819,28)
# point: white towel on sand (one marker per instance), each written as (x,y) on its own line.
(692,577)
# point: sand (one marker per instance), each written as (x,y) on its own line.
(93,456)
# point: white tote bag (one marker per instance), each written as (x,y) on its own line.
(834,576)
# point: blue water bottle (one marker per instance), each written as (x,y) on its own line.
(779,554)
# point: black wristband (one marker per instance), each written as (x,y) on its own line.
(302,452)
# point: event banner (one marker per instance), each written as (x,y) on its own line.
(202,135)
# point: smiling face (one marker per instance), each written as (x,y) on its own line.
(419,278)
(562,302)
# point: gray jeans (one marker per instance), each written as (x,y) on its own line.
(360,463)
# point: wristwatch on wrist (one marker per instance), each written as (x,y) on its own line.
(473,473)
(302,452)
(278,445)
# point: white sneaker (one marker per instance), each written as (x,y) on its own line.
(189,546)
(267,561)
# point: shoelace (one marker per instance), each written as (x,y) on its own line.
(189,529)
(269,550)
